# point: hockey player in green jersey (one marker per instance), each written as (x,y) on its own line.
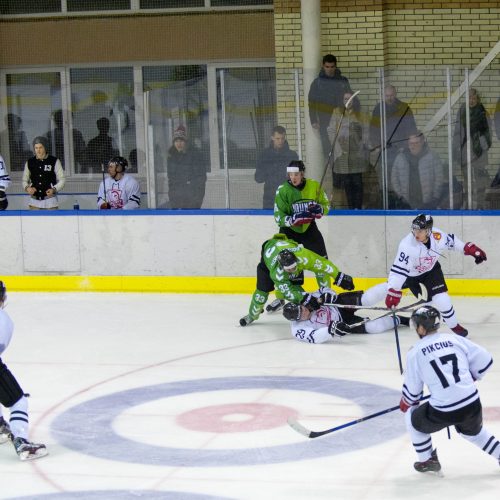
(281,267)
(297,205)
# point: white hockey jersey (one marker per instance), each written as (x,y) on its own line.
(414,258)
(448,365)
(123,194)
(315,329)
(6,329)
(4,175)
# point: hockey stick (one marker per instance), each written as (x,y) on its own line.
(422,299)
(103,182)
(398,349)
(296,426)
(346,105)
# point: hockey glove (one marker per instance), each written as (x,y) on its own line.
(474,251)
(328,296)
(315,209)
(344,281)
(338,329)
(311,302)
(404,405)
(301,218)
(3,200)
(393,298)
(105,206)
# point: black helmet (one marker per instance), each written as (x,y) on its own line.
(427,316)
(296,166)
(119,160)
(287,261)
(292,311)
(422,221)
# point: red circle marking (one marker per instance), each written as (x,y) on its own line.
(243,417)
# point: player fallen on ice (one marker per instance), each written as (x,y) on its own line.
(13,397)
(417,263)
(281,267)
(330,321)
(448,365)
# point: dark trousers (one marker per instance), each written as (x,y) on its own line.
(312,239)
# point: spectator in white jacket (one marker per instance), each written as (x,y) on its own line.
(417,176)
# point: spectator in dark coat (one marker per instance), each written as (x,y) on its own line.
(187,175)
(272,163)
(325,95)
(101,148)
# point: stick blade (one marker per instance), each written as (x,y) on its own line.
(296,426)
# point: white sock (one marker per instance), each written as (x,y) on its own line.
(443,304)
(486,441)
(374,294)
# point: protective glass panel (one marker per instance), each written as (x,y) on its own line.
(29,6)
(90,5)
(178,132)
(102,101)
(238,3)
(247,115)
(32,98)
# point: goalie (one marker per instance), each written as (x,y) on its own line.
(321,325)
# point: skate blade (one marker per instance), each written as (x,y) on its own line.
(26,455)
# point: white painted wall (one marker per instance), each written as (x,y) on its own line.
(167,244)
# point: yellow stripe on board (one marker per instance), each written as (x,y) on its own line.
(198,284)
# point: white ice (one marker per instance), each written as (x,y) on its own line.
(133,395)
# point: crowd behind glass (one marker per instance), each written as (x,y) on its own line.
(379,156)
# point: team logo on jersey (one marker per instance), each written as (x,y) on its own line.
(425,264)
(436,236)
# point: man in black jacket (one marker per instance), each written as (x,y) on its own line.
(272,164)
(325,94)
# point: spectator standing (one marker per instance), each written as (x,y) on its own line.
(326,94)
(101,148)
(400,124)
(417,176)
(350,158)
(4,184)
(43,177)
(480,143)
(272,164)
(119,191)
(187,175)
(55,138)
(18,143)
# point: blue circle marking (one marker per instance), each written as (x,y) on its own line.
(88,427)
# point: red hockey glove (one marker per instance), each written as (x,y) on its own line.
(301,218)
(393,298)
(315,209)
(403,405)
(474,251)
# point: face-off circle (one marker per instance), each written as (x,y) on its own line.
(244,417)
(88,427)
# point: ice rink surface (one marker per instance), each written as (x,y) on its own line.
(164,396)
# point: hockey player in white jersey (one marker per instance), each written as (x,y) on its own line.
(4,184)
(417,262)
(329,321)
(448,365)
(13,397)
(119,191)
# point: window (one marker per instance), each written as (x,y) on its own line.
(29,6)
(90,5)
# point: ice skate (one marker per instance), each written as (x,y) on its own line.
(430,465)
(4,431)
(275,305)
(28,451)
(460,330)
(246,320)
